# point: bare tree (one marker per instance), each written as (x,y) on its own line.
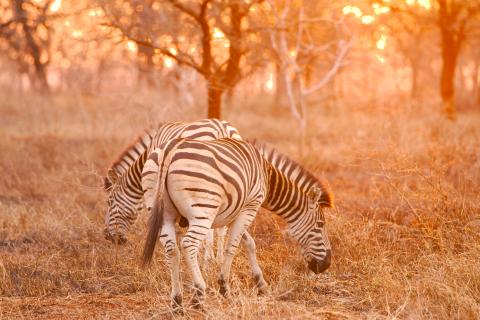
(452,18)
(27,35)
(296,49)
(200,24)
(408,27)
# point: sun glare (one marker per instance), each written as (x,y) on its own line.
(426,4)
(219,37)
(132,46)
(270,83)
(95,12)
(380,58)
(382,42)
(378,9)
(77,34)
(168,62)
(368,19)
(56,6)
(352,10)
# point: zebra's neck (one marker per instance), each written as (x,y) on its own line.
(132,153)
(131,181)
(285,196)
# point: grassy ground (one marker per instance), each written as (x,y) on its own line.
(405,231)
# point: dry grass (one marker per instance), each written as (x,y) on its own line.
(405,232)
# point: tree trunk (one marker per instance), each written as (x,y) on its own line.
(34,49)
(280,88)
(214,101)
(447,84)
(452,37)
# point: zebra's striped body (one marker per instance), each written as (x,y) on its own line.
(123,182)
(224,182)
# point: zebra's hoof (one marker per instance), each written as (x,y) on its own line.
(178,310)
(223,287)
(261,291)
(197,303)
(261,284)
(177,301)
(197,298)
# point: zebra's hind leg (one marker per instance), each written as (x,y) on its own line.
(235,233)
(172,256)
(209,255)
(190,243)
(257,273)
(221,232)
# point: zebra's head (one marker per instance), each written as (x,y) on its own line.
(121,212)
(309,230)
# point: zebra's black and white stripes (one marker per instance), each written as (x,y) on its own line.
(123,181)
(224,182)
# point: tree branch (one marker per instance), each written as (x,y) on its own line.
(329,75)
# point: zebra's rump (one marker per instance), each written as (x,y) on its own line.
(217,177)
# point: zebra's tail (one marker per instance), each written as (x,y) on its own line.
(155,222)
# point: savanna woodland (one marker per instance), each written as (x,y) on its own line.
(379,99)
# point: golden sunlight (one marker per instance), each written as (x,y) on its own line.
(132,46)
(380,97)
(353,10)
(95,12)
(56,6)
(378,9)
(426,4)
(368,19)
(168,62)
(270,83)
(382,42)
(77,34)
(219,37)
(218,34)
(380,58)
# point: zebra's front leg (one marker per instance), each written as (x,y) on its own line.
(190,243)
(257,273)
(172,256)
(235,233)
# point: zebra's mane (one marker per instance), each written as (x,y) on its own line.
(131,152)
(280,160)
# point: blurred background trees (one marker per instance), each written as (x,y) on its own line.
(293,54)
(25,30)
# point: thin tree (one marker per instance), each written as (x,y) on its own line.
(296,49)
(199,24)
(452,18)
(27,35)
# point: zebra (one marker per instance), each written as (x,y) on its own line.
(224,182)
(123,181)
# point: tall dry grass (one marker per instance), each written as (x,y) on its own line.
(405,231)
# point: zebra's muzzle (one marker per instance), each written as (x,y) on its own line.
(319,266)
(115,239)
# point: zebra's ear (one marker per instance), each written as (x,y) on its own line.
(110,179)
(315,194)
